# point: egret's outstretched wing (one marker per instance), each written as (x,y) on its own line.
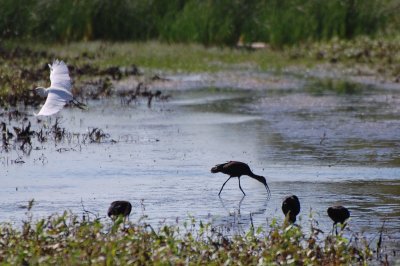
(56,99)
(59,76)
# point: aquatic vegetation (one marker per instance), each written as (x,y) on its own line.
(96,135)
(24,135)
(68,240)
(36,134)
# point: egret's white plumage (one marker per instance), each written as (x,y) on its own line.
(59,93)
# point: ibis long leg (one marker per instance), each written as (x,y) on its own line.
(224,185)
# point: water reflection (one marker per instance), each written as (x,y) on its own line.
(239,215)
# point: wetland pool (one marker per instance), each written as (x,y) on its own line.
(327,148)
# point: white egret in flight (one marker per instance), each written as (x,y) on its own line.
(59,93)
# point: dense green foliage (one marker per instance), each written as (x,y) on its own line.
(209,22)
(68,240)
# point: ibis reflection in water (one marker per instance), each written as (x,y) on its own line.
(237,169)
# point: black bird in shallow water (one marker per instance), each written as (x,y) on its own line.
(237,169)
(119,207)
(291,207)
(338,214)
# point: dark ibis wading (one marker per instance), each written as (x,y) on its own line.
(119,208)
(291,207)
(237,169)
(338,214)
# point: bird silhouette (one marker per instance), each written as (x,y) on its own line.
(119,208)
(59,93)
(237,169)
(291,207)
(338,214)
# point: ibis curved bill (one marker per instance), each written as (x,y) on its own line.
(237,169)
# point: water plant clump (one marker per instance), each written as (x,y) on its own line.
(26,136)
(96,135)
(68,240)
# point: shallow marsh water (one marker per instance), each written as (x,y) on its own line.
(325,147)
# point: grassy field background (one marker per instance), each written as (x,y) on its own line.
(211,22)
